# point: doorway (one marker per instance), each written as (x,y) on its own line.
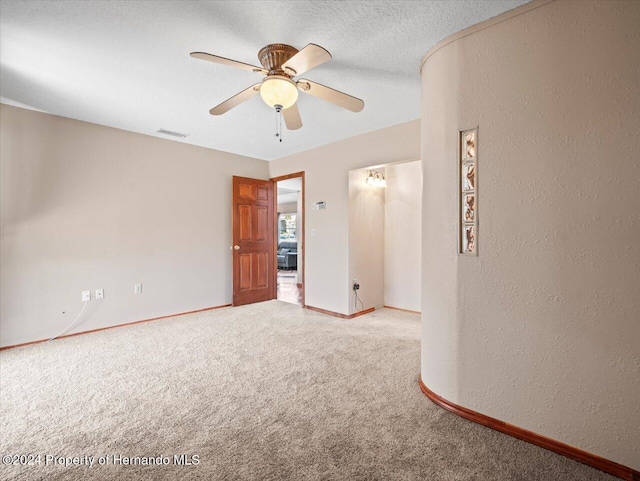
(385,232)
(289,237)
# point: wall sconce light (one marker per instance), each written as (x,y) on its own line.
(376,179)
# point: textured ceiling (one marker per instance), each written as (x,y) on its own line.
(126,64)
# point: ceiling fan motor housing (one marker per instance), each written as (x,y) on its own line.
(274,55)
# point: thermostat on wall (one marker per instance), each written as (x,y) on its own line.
(322,205)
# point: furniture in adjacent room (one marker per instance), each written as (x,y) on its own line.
(288,255)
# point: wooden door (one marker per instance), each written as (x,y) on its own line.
(254,251)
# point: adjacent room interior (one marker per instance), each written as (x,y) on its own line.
(385,236)
(289,235)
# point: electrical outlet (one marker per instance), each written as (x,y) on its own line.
(86,295)
(137,289)
(99,293)
(356,286)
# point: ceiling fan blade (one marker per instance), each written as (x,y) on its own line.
(331,95)
(228,61)
(237,99)
(309,57)
(292,117)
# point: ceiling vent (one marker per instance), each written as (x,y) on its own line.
(173,134)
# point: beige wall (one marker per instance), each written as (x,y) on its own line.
(87,207)
(366,242)
(540,330)
(403,236)
(385,248)
(327,283)
(288,208)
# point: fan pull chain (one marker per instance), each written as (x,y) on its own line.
(279,122)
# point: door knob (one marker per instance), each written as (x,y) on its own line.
(236,247)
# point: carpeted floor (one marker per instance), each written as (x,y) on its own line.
(262,392)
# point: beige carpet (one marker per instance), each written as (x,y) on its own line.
(262,392)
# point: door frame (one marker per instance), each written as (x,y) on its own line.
(301,247)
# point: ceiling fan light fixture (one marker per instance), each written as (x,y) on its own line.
(279,90)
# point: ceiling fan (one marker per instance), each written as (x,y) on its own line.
(280,64)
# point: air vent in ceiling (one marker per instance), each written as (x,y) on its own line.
(173,134)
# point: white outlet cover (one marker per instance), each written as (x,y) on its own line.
(137,289)
(86,295)
(99,293)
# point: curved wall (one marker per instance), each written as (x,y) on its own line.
(542,329)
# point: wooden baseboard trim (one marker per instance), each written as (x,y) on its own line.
(361,313)
(117,325)
(341,316)
(403,310)
(585,457)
